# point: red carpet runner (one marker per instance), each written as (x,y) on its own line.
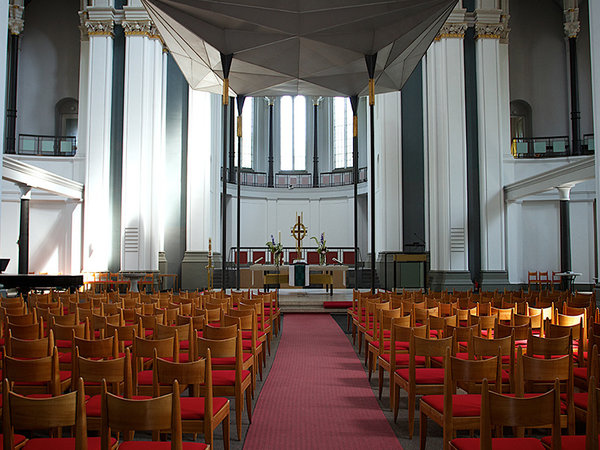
(317,395)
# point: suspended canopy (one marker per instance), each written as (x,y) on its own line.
(290,47)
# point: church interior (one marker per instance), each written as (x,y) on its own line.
(274,224)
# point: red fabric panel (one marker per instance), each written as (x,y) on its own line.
(337,304)
(425,375)
(312,257)
(348,258)
(329,257)
(243,257)
(227,377)
(567,442)
(292,257)
(499,444)
(257,254)
(192,408)
(463,405)
(63,443)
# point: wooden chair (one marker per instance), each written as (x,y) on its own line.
(454,411)
(35,375)
(499,411)
(153,414)
(532,280)
(50,413)
(481,348)
(533,375)
(115,372)
(264,322)
(142,355)
(199,414)
(487,324)
(252,349)
(382,336)
(395,355)
(230,382)
(416,380)
(29,348)
(185,336)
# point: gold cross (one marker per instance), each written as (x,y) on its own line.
(299,231)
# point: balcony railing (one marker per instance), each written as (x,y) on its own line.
(31,144)
(550,147)
(285,180)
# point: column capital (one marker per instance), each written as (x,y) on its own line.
(316,100)
(270,101)
(97,22)
(15,17)
(25,190)
(452,30)
(572,24)
(140,28)
(564,191)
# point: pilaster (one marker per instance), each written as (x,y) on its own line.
(95,133)
(493,131)
(594,17)
(142,142)
(446,138)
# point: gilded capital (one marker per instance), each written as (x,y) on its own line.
(138,27)
(99,27)
(489,30)
(572,24)
(452,30)
(15,17)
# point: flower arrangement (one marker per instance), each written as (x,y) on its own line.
(276,250)
(321,248)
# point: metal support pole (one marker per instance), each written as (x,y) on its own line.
(316,153)
(575,114)
(270,176)
(354,105)
(371,60)
(240,106)
(226,65)
(565,233)
(11,98)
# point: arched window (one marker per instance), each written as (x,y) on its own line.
(342,133)
(247,134)
(293,132)
(520,119)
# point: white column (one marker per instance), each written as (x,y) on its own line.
(94,142)
(494,132)
(594,13)
(3,50)
(447,149)
(142,144)
(388,188)
(200,135)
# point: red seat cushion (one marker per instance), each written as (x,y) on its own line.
(144,378)
(248,334)
(63,343)
(580,372)
(229,361)
(63,443)
(387,345)
(17,438)
(403,359)
(150,445)
(65,358)
(92,406)
(466,405)
(499,443)
(227,377)
(192,408)
(424,375)
(580,399)
(567,442)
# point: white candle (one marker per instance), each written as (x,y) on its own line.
(280,236)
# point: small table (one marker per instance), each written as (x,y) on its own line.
(567,279)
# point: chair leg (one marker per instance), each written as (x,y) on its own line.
(249,406)
(370,363)
(411,413)
(226,432)
(239,405)
(423,429)
(447,436)
(395,396)
(381,381)
(359,342)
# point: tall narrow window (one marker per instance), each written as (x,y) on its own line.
(293,133)
(342,132)
(247,134)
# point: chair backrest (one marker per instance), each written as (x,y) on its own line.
(155,414)
(548,347)
(22,319)
(520,332)
(499,410)
(165,348)
(31,331)
(222,332)
(36,370)
(66,332)
(29,348)
(504,314)
(428,347)
(470,373)
(97,348)
(23,413)
(221,348)
(116,372)
(440,323)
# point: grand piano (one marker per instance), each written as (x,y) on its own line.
(25,283)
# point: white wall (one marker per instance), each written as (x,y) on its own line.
(48,63)
(267,212)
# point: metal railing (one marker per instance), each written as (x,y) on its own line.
(550,147)
(31,144)
(283,180)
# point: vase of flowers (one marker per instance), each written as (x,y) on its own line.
(321,249)
(276,250)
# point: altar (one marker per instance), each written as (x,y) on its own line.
(269,275)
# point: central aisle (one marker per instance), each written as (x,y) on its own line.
(317,394)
